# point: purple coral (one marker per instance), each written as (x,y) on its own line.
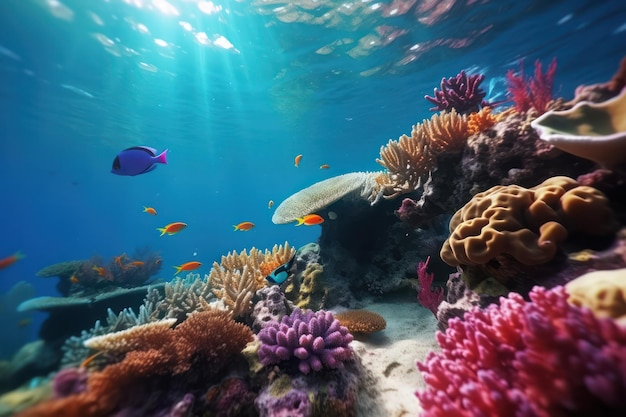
(461,93)
(538,358)
(315,339)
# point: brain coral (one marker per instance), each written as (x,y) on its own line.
(527,224)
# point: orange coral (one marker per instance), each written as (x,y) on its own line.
(361,321)
(207,340)
(480,121)
(268,266)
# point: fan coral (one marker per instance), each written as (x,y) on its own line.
(361,321)
(315,339)
(543,358)
(461,93)
(427,296)
(527,224)
(531,93)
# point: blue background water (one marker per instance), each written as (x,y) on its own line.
(235,90)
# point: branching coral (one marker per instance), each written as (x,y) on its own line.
(542,358)
(461,93)
(480,121)
(427,296)
(410,159)
(239,275)
(534,92)
(154,356)
(313,339)
(184,296)
(526,224)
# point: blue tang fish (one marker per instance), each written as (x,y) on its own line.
(137,160)
(280,274)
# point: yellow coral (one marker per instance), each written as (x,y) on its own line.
(604,292)
(446,131)
(527,224)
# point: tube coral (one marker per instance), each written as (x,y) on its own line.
(542,358)
(314,339)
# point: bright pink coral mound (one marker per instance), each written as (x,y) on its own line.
(532,92)
(543,358)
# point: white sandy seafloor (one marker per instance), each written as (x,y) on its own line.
(389,359)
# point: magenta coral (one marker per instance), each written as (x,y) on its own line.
(461,93)
(541,358)
(314,339)
(427,296)
(533,92)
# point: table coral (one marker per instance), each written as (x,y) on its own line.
(361,321)
(540,358)
(313,339)
(526,224)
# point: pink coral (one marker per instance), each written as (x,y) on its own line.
(532,92)
(543,358)
(429,298)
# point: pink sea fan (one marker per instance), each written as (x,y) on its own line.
(543,358)
(427,296)
(532,92)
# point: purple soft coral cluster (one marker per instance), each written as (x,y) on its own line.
(461,93)
(540,358)
(316,339)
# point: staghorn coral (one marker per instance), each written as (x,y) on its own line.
(361,321)
(313,339)
(239,275)
(461,93)
(410,160)
(542,357)
(184,296)
(526,224)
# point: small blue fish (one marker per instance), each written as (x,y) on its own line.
(137,160)
(280,274)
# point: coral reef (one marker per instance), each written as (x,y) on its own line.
(238,276)
(155,359)
(480,121)
(321,195)
(461,93)
(526,224)
(426,295)
(592,131)
(313,340)
(603,292)
(542,357)
(271,306)
(361,321)
(532,92)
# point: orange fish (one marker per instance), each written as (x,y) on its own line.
(135,263)
(149,210)
(172,228)
(187,266)
(244,226)
(10,260)
(297,160)
(100,270)
(270,204)
(84,364)
(310,220)
(119,259)
(324,166)
(73,279)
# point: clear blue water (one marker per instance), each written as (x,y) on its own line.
(235,90)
